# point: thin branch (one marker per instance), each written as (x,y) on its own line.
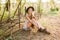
(17,8)
(3,12)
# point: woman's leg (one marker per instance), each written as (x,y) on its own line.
(35,23)
(38,26)
(35,27)
(29,24)
(32,27)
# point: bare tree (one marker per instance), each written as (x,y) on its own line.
(39,7)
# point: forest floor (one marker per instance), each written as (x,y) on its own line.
(51,23)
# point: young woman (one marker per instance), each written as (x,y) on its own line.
(31,22)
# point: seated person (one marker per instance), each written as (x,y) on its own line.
(31,22)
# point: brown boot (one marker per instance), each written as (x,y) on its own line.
(44,30)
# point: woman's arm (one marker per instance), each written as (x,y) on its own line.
(33,21)
(28,18)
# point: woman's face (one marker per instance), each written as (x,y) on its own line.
(30,11)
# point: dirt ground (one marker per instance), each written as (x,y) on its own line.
(51,23)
